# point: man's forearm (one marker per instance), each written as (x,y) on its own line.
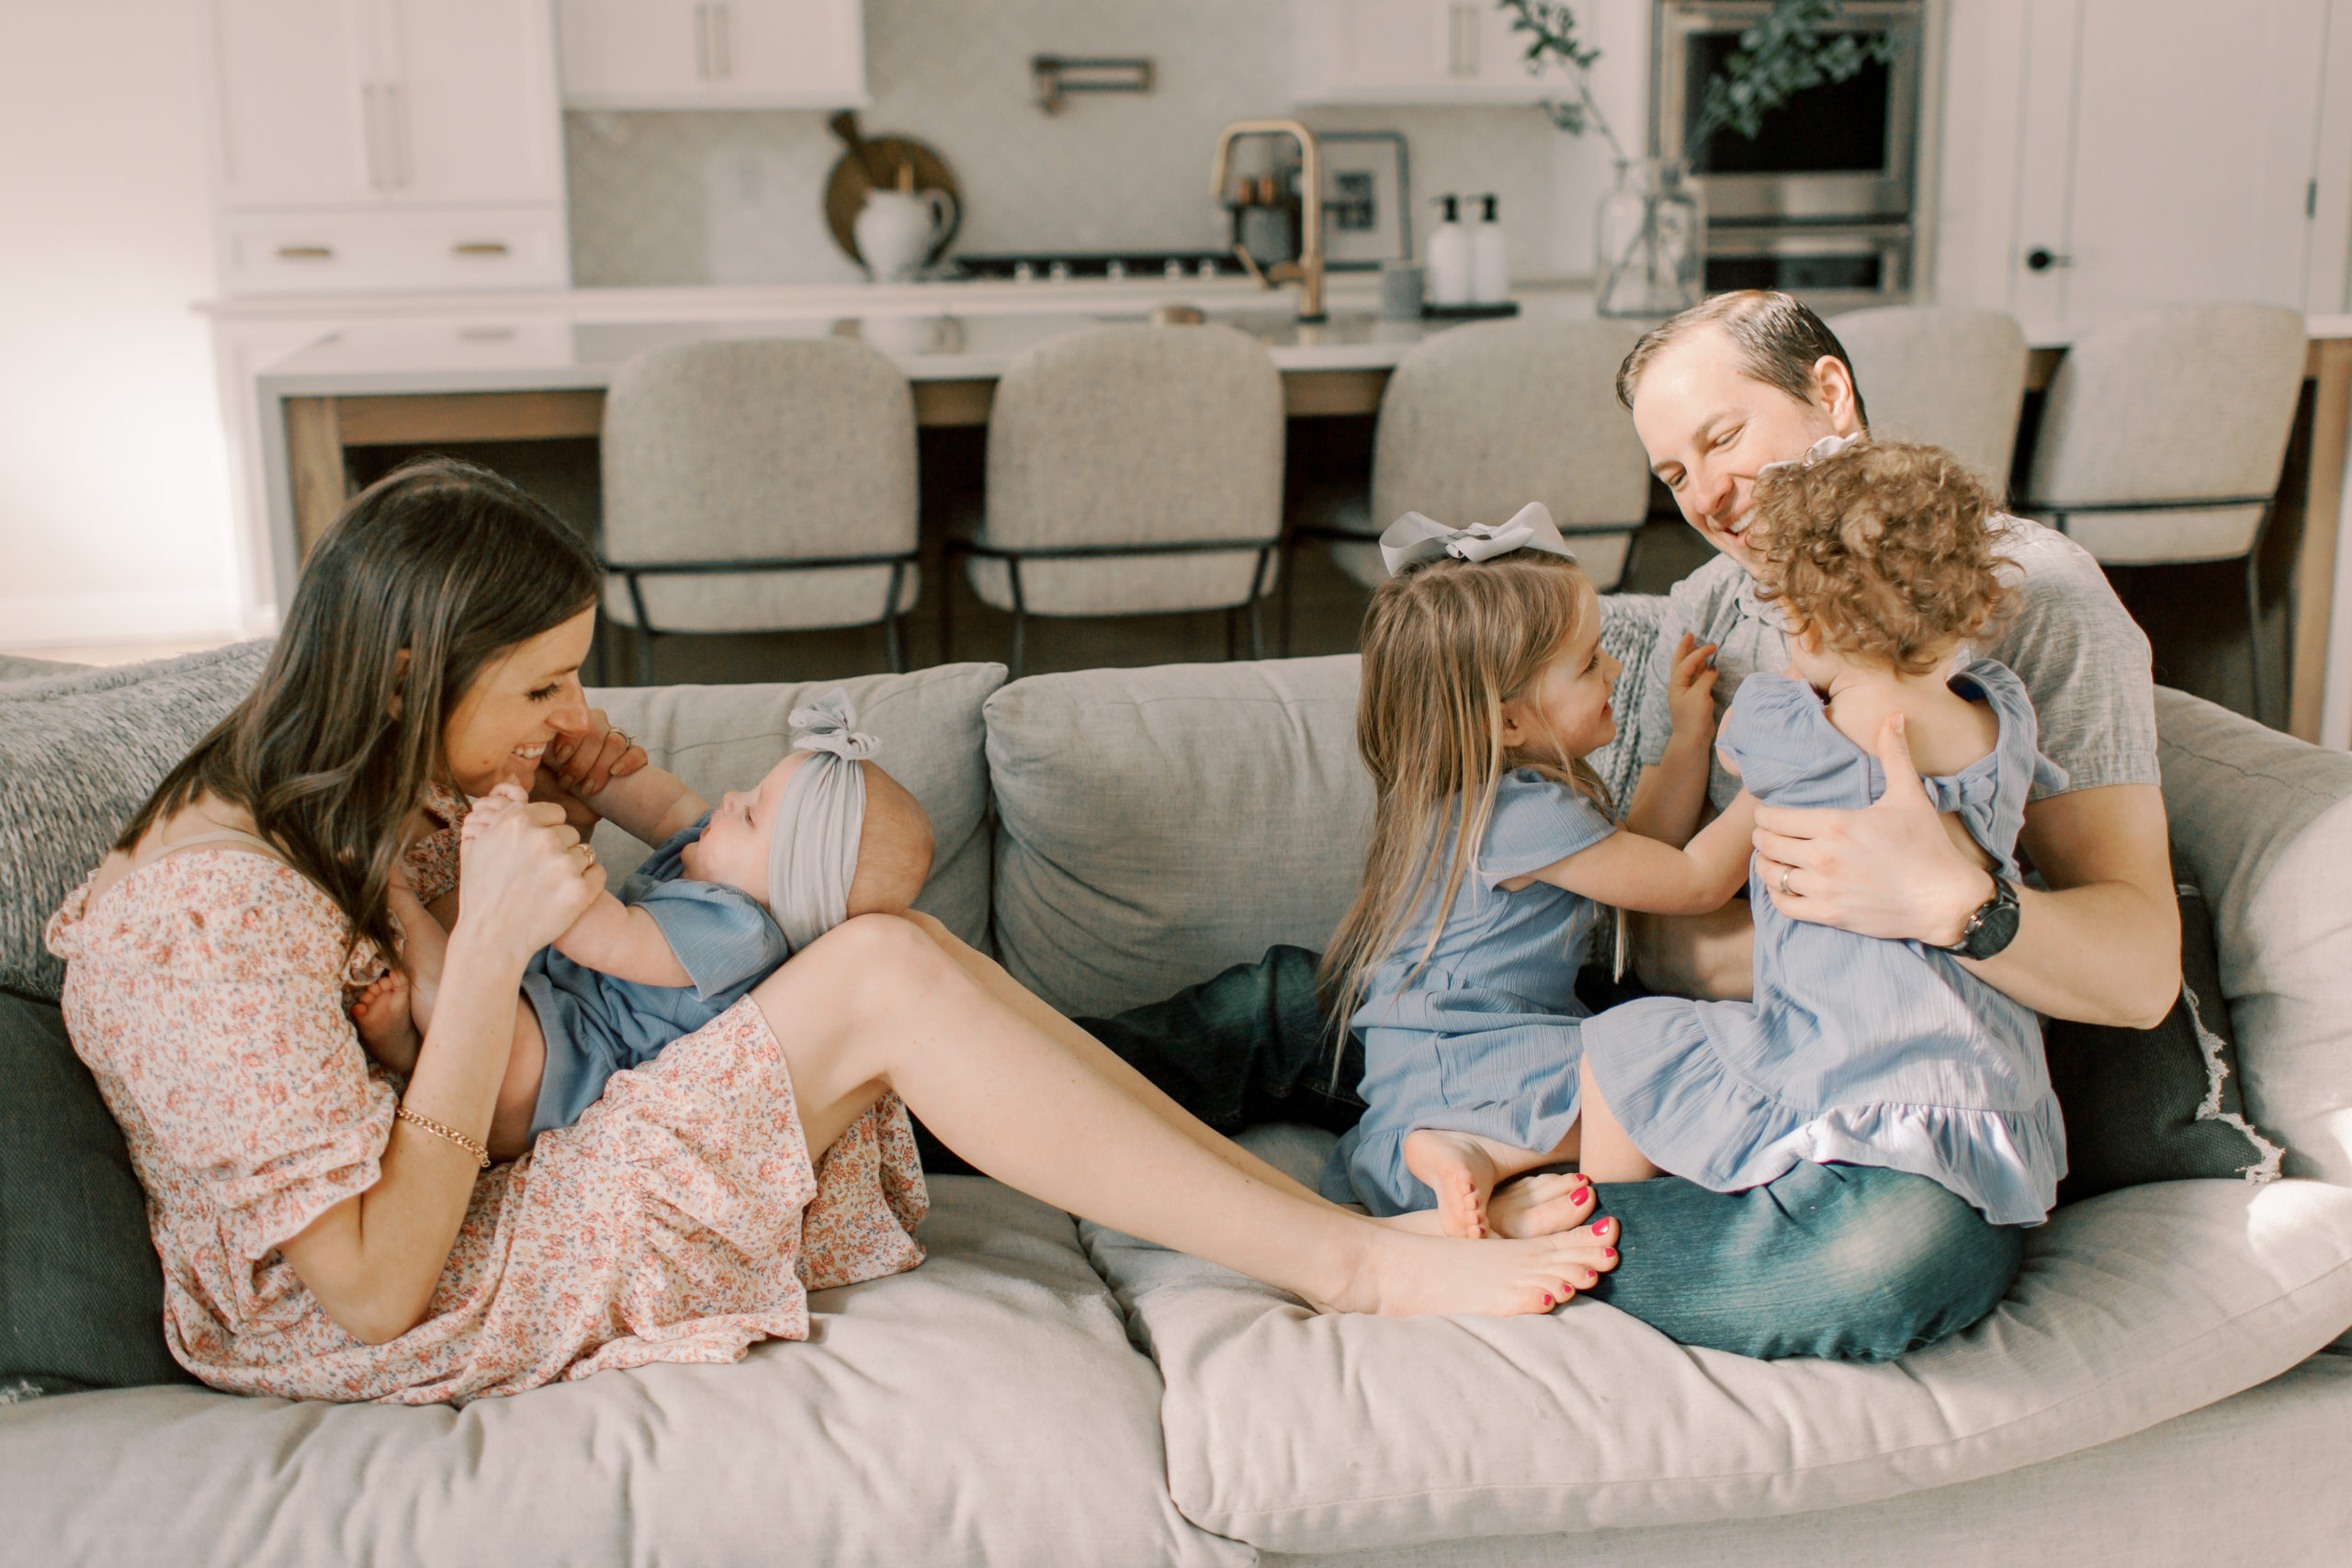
(2107,952)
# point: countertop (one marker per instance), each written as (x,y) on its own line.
(943,332)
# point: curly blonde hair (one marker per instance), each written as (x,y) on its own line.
(1885,551)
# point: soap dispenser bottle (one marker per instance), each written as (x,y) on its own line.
(1450,257)
(1489,258)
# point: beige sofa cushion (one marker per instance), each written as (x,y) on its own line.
(985,1409)
(2254,1482)
(723,737)
(1157,824)
(1299,1433)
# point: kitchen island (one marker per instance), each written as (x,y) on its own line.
(526,367)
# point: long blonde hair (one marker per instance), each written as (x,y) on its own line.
(1445,644)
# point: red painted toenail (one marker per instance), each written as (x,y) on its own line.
(1608,1252)
(1547,1301)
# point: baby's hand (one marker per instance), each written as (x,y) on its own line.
(490,808)
(1690,689)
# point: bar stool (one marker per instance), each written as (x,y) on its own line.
(1131,470)
(756,485)
(1948,374)
(1480,420)
(2162,438)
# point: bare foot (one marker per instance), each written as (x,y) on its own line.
(381,1012)
(1403,1274)
(1540,1206)
(1457,1167)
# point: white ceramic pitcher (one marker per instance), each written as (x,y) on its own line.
(896,230)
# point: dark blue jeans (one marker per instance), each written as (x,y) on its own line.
(1837,1260)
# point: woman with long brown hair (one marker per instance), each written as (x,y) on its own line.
(329,1231)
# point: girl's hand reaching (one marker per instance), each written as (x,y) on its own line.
(1690,688)
(523,874)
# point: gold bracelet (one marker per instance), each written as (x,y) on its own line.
(481,1156)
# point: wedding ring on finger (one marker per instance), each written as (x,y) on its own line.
(1785,892)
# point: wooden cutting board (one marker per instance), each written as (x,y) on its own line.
(876,163)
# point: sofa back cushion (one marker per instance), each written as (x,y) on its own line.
(2264,823)
(723,737)
(1157,824)
(79,752)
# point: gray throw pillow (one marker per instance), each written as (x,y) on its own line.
(79,752)
(81,1292)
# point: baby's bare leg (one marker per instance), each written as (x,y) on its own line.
(519,1094)
(1609,1155)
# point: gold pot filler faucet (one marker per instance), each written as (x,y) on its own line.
(1308,269)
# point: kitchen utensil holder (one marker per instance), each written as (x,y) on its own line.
(1056,76)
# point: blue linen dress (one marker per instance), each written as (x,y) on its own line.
(1855,1049)
(597,1025)
(1483,1037)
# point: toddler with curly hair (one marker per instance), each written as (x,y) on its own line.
(1880,560)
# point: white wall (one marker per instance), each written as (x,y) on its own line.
(114,488)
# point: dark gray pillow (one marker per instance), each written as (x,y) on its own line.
(2158,1104)
(79,752)
(81,1291)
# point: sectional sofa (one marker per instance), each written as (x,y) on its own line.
(2164,1384)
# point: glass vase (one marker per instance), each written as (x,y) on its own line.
(1651,235)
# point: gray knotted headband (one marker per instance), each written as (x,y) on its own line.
(812,848)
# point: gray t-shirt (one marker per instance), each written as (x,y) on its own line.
(2082,657)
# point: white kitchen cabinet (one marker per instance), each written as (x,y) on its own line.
(2101,156)
(386,145)
(1413,51)
(710,54)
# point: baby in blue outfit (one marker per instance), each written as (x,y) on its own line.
(731,893)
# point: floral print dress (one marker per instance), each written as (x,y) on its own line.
(680,1220)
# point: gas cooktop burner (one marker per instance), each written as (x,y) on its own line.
(1058,267)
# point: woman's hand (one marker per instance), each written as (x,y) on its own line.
(1889,869)
(523,874)
(1690,688)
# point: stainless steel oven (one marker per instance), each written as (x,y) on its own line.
(1822,200)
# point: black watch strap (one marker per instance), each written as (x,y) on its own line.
(1992,927)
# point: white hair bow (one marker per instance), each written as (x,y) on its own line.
(829,723)
(1413,538)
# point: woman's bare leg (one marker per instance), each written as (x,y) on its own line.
(1026,1005)
(878,1003)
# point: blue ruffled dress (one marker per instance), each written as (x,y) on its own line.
(1859,1050)
(1482,1038)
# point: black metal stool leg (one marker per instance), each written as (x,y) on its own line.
(2254,634)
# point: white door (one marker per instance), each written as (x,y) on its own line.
(1411,51)
(294,122)
(2167,154)
(790,48)
(476,118)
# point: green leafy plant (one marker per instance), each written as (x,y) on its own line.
(1779,57)
(1790,51)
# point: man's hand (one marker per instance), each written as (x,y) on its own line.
(585,762)
(1890,870)
(1690,689)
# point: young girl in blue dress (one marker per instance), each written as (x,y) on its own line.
(1484,688)
(1855,1049)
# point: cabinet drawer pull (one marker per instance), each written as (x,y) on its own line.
(306,252)
(479,248)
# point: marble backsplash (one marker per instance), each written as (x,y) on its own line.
(737,198)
